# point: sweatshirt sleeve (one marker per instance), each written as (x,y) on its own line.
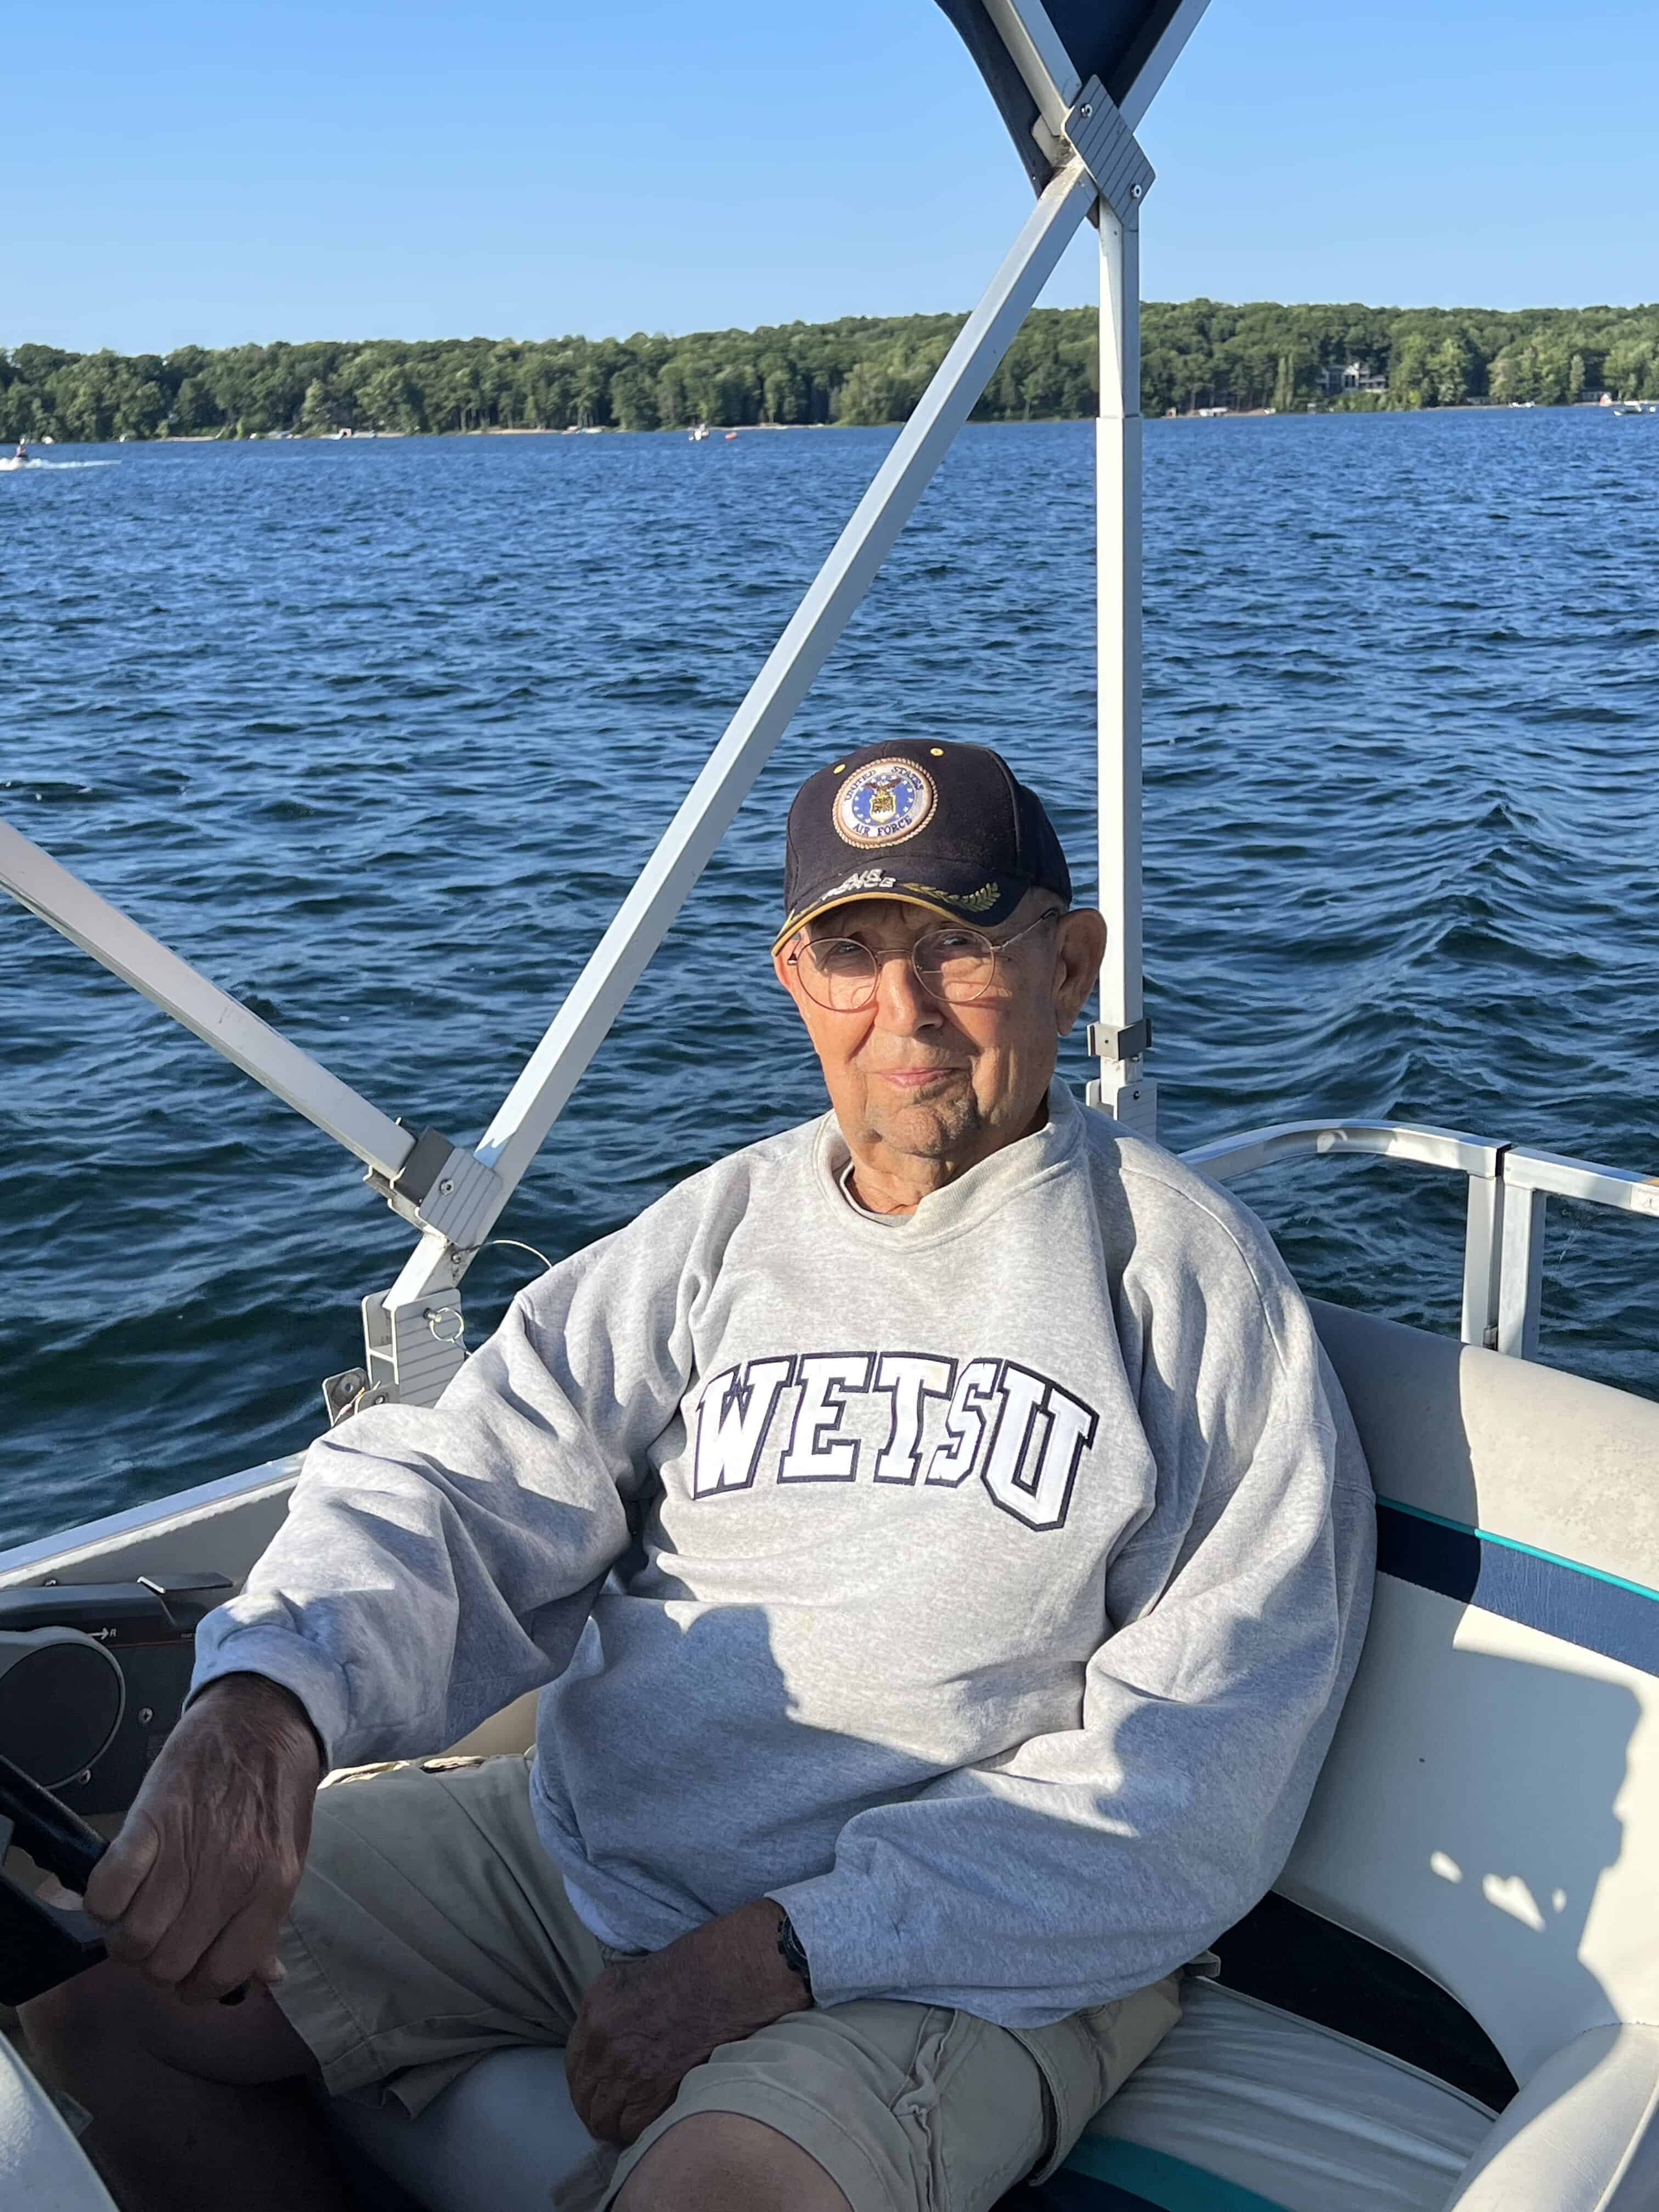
(438,1562)
(1089,1863)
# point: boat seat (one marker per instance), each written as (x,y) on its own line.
(1241,2107)
(42,2167)
(1244,2106)
(1489,1814)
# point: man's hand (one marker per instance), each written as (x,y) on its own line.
(195,1886)
(644,2023)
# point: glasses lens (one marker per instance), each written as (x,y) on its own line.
(958,964)
(838,973)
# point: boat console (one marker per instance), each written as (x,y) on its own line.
(114,1654)
(92,1676)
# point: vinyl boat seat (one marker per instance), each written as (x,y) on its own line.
(1243,2109)
(42,2168)
(1489,1816)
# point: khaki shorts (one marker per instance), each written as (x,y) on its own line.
(431,1927)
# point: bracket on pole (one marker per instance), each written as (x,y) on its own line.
(1134,1042)
(440,1186)
(412,1334)
(1111,152)
(413,1347)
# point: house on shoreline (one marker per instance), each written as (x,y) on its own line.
(1352,375)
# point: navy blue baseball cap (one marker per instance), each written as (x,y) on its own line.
(945,826)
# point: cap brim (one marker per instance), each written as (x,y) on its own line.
(799,922)
(931,899)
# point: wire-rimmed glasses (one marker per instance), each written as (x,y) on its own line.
(957,965)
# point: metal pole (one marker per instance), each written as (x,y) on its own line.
(40,882)
(535,1100)
(1521,1283)
(1119,1038)
(1483,1257)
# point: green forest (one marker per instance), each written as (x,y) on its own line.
(863,369)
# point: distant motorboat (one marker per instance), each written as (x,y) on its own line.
(697,433)
(1636,406)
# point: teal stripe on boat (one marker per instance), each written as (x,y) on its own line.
(1169,2183)
(1513,1544)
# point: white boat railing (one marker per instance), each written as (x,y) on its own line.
(1509,1186)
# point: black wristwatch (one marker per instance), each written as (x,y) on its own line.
(793,1957)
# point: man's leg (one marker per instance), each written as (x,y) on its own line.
(841,2110)
(722,2163)
(194,2107)
(881,2103)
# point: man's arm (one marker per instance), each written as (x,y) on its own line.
(434,1564)
(437,1562)
(195,1886)
(644,2023)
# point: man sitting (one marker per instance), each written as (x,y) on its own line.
(947,1552)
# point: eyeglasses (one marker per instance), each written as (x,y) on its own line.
(958,966)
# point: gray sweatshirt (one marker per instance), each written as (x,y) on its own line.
(983,1585)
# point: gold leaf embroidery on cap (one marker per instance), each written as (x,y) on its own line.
(971,901)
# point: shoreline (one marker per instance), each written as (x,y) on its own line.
(1198,357)
(723,434)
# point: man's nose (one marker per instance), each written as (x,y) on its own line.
(902,1005)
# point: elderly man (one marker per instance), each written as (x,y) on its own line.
(946,1551)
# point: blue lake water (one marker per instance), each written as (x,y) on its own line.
(378,734)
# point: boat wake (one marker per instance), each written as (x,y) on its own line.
(21,468)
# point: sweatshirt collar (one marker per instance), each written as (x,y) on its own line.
(1007,1173)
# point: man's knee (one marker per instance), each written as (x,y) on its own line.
(724,2162)
(89,2021)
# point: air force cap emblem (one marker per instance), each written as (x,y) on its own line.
(883,803)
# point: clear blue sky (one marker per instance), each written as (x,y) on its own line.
(242,171)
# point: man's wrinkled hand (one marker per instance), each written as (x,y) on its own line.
(645,2022)
(195,1886)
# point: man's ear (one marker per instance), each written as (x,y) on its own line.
(1079,948)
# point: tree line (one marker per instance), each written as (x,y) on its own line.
(862,369)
